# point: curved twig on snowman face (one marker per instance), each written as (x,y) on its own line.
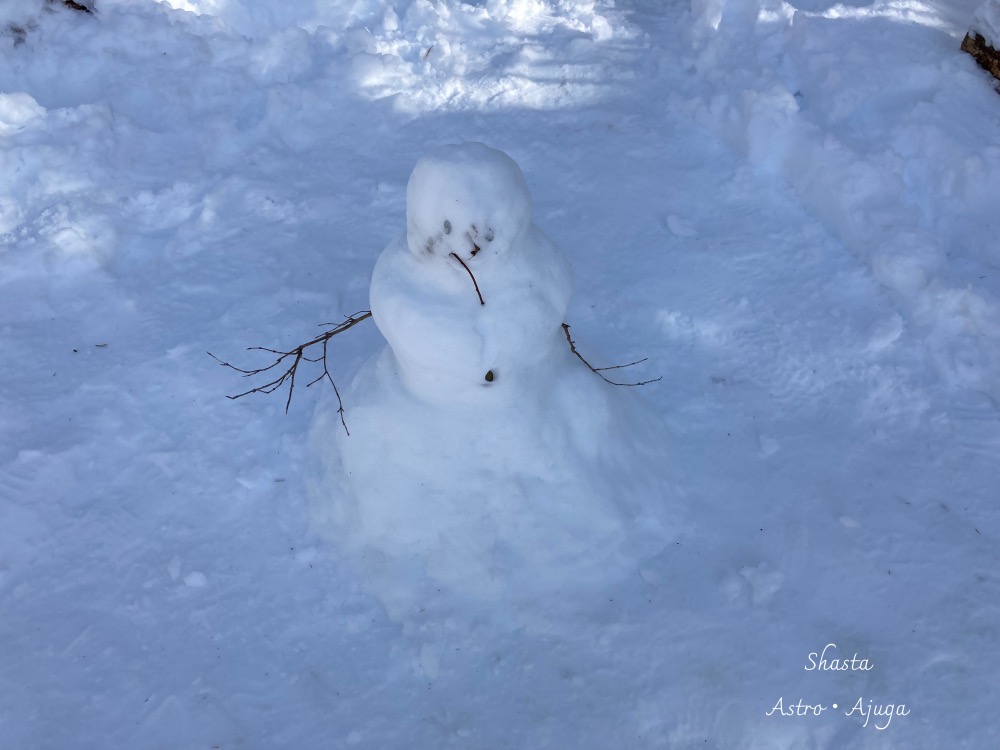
(474,282)
(472,236)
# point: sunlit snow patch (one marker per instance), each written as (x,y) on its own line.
(16,111)
(501,53)
(447,55)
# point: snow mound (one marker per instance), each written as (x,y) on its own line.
(483,456)
(986,21)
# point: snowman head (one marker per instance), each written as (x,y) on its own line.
(466,199)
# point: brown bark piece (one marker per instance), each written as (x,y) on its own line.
(987,57)
(84,6)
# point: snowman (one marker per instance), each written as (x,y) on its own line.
(484,458)
(472,300)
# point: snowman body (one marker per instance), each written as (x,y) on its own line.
(483,456)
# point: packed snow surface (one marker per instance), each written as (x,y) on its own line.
(789,208)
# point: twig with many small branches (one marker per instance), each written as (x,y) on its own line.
(600,370)
(298,354)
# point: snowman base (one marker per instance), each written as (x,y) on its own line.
(558,485)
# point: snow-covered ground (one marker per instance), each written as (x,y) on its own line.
(986,21)
(791,209)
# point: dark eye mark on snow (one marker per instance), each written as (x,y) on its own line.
(472,234)
(18,33)
(489,235)
(447,227)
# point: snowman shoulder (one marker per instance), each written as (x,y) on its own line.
(550,267)
(387,271)
(400,274)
